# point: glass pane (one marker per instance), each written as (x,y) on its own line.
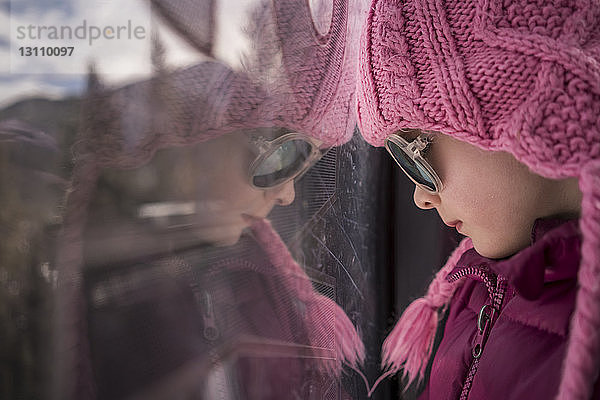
(138,260)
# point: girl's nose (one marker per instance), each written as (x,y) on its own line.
(284,195)
(425,200)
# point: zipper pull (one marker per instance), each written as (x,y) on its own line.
(485,320)
(487,317)
(211,332)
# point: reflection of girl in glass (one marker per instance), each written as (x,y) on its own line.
(491,108)
(175,300)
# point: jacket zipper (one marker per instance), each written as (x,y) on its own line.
(204,301)
(488,314)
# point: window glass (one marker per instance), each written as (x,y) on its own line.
(187,209)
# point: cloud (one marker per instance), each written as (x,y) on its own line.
(118,61)
(39,6)
(27,86)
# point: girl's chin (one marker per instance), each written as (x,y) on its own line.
(226,235)
(492,250)
(226,242)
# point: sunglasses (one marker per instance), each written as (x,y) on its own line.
(409,156)
(282,159)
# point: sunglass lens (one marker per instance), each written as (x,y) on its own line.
(413,169)
(284,163)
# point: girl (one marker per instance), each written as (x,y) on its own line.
(218,145)
(179,300)
(492,109)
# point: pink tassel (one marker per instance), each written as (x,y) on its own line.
(581,364)
(411,339)
(329,326)
(409,345)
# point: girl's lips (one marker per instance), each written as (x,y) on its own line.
(455,224)
(458,226)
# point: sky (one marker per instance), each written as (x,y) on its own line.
(118,60)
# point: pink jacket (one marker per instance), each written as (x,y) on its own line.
(513,313)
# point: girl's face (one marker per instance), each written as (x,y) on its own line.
(491,197)
(210,182)
(218,183)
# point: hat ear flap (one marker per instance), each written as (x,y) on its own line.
(328,325)
(582,361)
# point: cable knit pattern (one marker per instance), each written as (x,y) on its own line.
(518,76)
(313,92)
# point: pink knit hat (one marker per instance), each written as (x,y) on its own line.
(518,76)
(310,86)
